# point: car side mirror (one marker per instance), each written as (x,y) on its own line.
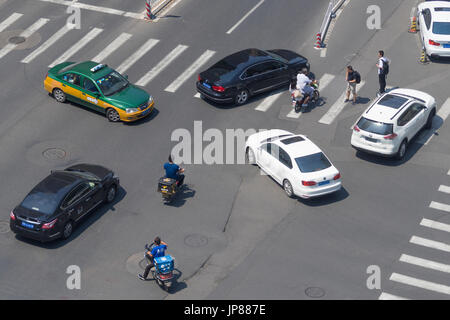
(125,76)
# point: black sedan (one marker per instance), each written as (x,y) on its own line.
(58,202)
(249,72)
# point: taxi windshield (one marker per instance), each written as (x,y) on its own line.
(112,83)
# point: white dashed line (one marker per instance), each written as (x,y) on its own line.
(420,283)
(149,76)
(245,17)
(77,47)
(150,43)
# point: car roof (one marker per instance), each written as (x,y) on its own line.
(85,67)
(300,148)
(388,106)
(246,57)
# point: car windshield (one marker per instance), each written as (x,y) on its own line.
(375,126)
(313,162)
(441,28)
(112,83)
(43,202)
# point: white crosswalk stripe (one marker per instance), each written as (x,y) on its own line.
(189,72)
(427,285)
(440,206)
(26,33)
(120,40)
(197,95)
(425,263)
(445,189)
(388,296)
(430,243)
(150,43)
(10,20)
(149,76)
(77,47)
(50,41)
(337,107)
(267,102)
(435,225)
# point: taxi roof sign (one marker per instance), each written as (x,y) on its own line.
(98,67)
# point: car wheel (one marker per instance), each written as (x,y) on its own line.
(111,194)
(250,156)
(67,230)
(429,123)
(401,150)
(112,115)
(241,96)
(59,95)
(287,186)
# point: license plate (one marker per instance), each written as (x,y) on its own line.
(27,225)
(324,182)
(447,45)
(207,85)
(164,190)
(371,139)
(146,111)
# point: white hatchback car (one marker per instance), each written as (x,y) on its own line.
(294,161)
(391,121)
(434,22)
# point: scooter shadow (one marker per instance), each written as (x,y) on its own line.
(180,198)
(177,286)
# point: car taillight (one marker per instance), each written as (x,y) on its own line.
(433,43)
(308,183)
(199,78)
(390,136)
(338,176)
(356,128)
(49,225)
(218,88)
(12,216)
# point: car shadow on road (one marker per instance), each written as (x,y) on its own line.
(180,198)
(442,60)
(146,119)
(81,226)
(326,199)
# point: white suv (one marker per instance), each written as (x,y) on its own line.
(434,22)
(392,121)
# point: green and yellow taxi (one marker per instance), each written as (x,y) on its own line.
(100,88)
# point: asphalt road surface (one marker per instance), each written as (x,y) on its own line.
(233,232)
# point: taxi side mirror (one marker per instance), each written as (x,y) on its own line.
(125,76)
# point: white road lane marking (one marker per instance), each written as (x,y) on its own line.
(150,43)
(120,40)
(149,76)
(245,17)
(197,95)
(435,225)
(97,8)
(440,206)
(77,47)
(323,52)
(427,285)
(430,243)
(10,20)
(50,41)
(425,263)
(388,296)
(338,106)
(267,102)
(26,33)
(444,110)
(445,189)
(189,72)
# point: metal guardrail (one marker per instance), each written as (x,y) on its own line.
(333,6)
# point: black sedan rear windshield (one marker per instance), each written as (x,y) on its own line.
(42,202)
(313,162)
(375,127)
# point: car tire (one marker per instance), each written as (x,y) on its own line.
(250,156)
(241,97)
(112,115)
(67,230)
(429,123)
(111,194)
(402,150)
(59,95)
(287,186)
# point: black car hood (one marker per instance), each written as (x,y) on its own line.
(27,214)
(290,56)
(97,170)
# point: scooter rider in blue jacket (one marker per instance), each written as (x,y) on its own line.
(159,250)
(173,171)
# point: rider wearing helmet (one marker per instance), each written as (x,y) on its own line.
(173,171)
(159,250)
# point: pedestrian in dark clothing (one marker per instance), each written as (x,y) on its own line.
(383,69)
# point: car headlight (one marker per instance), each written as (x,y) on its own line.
(131,110)
(150,100)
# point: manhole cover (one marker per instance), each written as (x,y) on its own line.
(4,227)
(315,292)
(16,40)
(54,154)
(196,240)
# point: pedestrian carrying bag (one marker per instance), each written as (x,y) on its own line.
(357,77)
(385,69)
